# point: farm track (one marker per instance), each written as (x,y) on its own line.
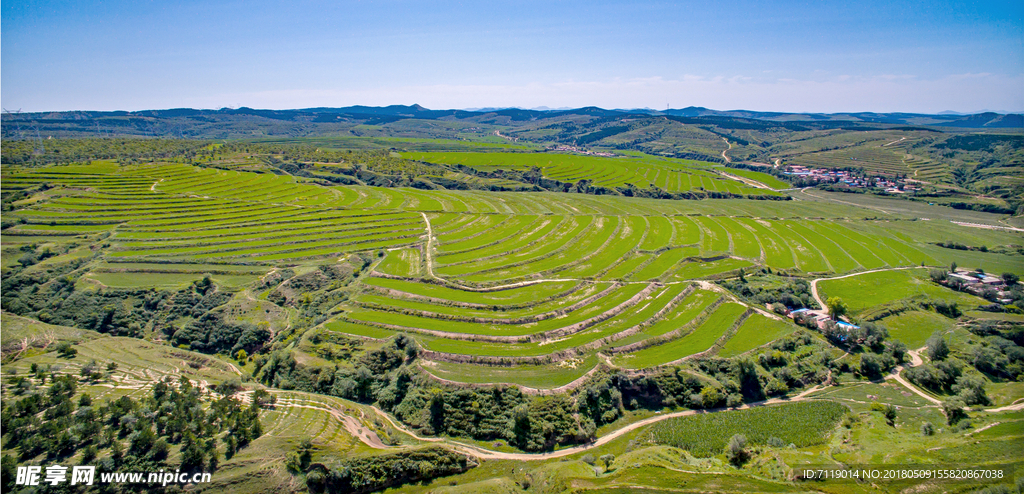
(487,454)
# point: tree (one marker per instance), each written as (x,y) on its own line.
(1010,279)
(10,468)
(952,267)
(607,460)
(711,396)
(736,451)
(971,390)
(953,408)
(65,350)
(937,347)
(870,366)
(836,307)
(890,413)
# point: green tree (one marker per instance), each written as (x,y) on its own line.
(971,390)
(607,459)
(836,307)
(953,408)
(10,470)
(937,347)
(65,350)
(890,413)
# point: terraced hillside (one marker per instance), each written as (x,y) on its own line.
(544,285)
(672,175)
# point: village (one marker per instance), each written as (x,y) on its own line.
(898,185)
(578,150)
(993,288)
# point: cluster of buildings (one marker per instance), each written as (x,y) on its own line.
(820,318)
(982,285)
(824,175)
(579,150)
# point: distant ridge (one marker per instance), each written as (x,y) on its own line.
(992,120)
(248,122)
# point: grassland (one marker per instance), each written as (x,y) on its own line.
(757,330)
(874,289)
(801,424)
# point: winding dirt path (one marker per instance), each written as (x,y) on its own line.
(350,423)
(749,181)
(724,156)
(826,199)
(988,227)
(487,454)
(430,244)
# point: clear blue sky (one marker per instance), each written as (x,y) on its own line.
(821,56)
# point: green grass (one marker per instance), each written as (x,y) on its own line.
(540,307)
(165,280)
(802,424)
(401,262)
(700,339)
(915,327)
(598,307)
(359,329)
(769,180)
(23,337)
(534,376)
(695,270)
(869,290)
(512,296)
(757,330)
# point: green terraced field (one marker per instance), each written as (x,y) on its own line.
(672,175)
(757,330)
(478,276)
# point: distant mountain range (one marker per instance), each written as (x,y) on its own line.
(392,112)
(571,125)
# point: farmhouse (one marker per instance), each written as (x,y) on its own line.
(965,278)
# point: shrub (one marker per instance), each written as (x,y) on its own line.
(927,429)
(736,451)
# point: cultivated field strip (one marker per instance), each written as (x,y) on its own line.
(668,174)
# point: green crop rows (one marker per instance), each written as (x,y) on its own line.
(801,424)
(534,278)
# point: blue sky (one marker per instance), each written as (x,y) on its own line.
(819,56)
